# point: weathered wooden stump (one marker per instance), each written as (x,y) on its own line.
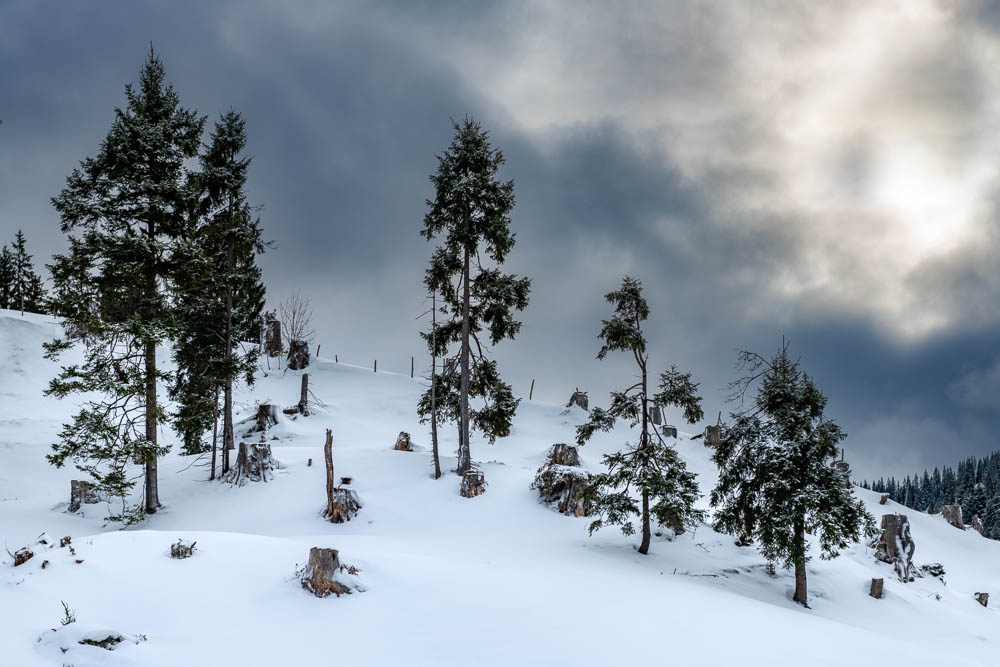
(319,577)
(65,541)
(564,455)
(267,416)
(884,499)
(473,484)
(272,335)
(298,355)
(328,459)
(182,549)
(254,463)
(934,570)
(403,442)
(953,515)
(22,555)
(579,398)
(81,493)
(983,598)
(344,506)
(655,414)
(877,587)
(669,431)
(713,436)
(895,545)
(977,524)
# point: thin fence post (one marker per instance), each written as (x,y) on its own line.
(317,350)
(376,366)
(532,391)
(411,367)
(335,359)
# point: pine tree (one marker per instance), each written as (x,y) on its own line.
(775,482)
(651,467)
(470,214)
(221,294)
(6,277)
(129,205)
(26,292)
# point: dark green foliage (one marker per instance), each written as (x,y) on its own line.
(219,291)
(470,216)
(775,480)
(125,209)
(651,468)
(6,276)
(20,287)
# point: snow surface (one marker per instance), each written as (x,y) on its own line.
(499,579)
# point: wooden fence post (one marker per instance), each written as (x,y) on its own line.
(411,366)
(376,366)
(532,392)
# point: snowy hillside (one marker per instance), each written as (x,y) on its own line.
(498,579)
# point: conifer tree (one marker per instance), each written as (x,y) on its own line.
(220,294)
(6,277)
(470,215)
(26,292)
(775,480)
(129,206)
(650,467)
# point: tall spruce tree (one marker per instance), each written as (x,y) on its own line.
(650,467)
(470,215)
(129,205)
(775,483)
(221,295)
(26,290)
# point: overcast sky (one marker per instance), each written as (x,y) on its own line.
(824,173)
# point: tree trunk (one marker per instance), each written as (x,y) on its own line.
(464,453)
(646,533)
(227,408)
(644,442)
(152,490)
(328,458)
(215,434)
(434,425)
(801,594)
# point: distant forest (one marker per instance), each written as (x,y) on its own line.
(974,485)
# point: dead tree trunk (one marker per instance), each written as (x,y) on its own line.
(319,577)
(434,425)
(304,396)
(877,588)
(328,458)
(152,496)
(253,464)
(215,434)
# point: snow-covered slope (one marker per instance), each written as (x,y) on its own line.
(499,579)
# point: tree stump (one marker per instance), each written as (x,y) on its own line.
(298,355)
(328,459)
(65,541)
(267,416)
(564,455)
(656,414)
(895,545)
(344,505)
(182,549)
(884,499)
(22,555)
(272,336)
(403,442)
(254,463)
(319,577)
(953,515)
(473,484)
(304,396)
(877,588)
(983,598)
(81,493)
(579,398)
(669,431)
(713,436)
(977,524)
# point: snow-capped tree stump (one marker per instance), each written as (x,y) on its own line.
(564,455)
(579,398)
(669,431)
(713,436)
(182,549)
(473,484)
(656,414)
(64,542)
(344,506)
(298,354)
(272,337)
(81,493)
(403,442)
(267,416)
(319,576)
(895,545)
(977,524)
(953,515)
(22,555)
(884,499)
(877,588)
(983,598)
(254,463)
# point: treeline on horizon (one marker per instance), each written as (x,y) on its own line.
(973,485)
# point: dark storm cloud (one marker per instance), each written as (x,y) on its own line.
(347,104)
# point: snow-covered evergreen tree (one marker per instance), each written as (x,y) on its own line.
(23,289)
(6,276)
(129,206)
(775,480)
(470,216)
(651,467)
